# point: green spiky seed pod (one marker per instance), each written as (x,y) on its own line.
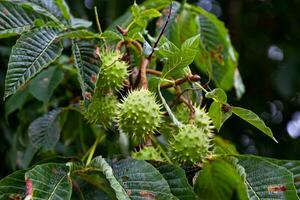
(102,110)
(201,120)
(113,71)
(190,145)
(148,153)
(139,114)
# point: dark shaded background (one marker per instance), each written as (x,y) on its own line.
(266,35)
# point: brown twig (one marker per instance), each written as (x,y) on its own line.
(145,62)
(153,72)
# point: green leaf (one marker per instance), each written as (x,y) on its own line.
(217,114)
(191,43)
(292,166)
(266,180)
(13,186)
(50,181)
(65,11)
(44,132)
(141,180)
(254,120)
(87,62)
(44,84)
(177,181)
(177,60)
(218,95)
(218,180)
(223,146)
(33,52)
(16,101)
(50,9)
(15,19)
(101,164)
(80,23)
(221,53)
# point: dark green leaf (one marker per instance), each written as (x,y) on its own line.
(101,164)
(13,186)
(141,180)
(222,55)
(44,84)
(253,119)
(50,9)
(87,62)
(44,132)
(33,52)
(16,101)
(217,114)
(266,180)
(15,19)
(177,181)
(218,180)
(218,95)
(50,181)
(292,166)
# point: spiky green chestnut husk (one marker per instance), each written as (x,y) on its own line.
(102,110)
(139,115)
(201,120)
(190,145)
(113,71)
(148,153)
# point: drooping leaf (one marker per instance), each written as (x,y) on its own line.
(49,181)
(217,114)
(44,132)
(141,180)
(267,180)
(222,55)
(44,84)
(254,120)
(13,186)
(15,19)
(175,176)
(218,95)
(87,62)
(33,52)
(218,180)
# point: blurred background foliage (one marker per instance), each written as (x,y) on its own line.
(265,33)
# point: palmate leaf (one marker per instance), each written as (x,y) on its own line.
(267,180)
(13,186)
(33,52)
(87,62)
(15,19)
(44,132)
(49,181)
